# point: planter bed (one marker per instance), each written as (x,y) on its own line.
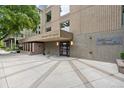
(120,64)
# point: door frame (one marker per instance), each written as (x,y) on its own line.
(67,48)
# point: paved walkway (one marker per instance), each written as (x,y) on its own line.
(19,70)
(3,52)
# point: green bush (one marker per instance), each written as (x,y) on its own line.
(8,49)
(122,55)
(2,45)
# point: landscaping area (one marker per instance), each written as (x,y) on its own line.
(4,49)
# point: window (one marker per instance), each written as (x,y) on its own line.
(122,14)
(65,26)
(64,9)
(37,31)
(39,27)
(48,29)
(48,16)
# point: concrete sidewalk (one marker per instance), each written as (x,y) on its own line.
(38,71)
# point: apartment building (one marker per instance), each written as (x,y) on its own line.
(86,31)
(12,41)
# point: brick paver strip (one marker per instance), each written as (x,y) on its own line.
(25,62)
(30,68)
(103,71)
(4,74)
(81,76)
(45,75)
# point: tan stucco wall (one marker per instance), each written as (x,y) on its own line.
(83,45)
(54,23)
(95,21)
(51,48)
(95,18)
(85,18)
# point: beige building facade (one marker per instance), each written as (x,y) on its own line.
(86,31)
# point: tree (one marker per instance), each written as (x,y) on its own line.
(16,18)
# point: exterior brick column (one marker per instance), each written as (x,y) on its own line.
(24,46)
(32,47)
(28,47)
(11,43)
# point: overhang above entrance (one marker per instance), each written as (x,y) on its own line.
(8,38)
(49,37)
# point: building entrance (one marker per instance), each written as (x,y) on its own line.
(64,48)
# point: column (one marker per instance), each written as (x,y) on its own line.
(32,47)
(11,43)
(24,46)
(5,44)
(29,47)
(43,48)
(15,41)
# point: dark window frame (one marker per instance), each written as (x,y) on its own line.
(48,16)
(67,24)
(48,29)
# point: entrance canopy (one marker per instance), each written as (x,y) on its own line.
(8,39)
(49,37)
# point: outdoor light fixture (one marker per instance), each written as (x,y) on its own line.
(57,43)
(71,42)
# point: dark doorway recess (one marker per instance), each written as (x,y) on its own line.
(64,49)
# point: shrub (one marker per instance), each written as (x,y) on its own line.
(2,45)
(122,55)
(8,49)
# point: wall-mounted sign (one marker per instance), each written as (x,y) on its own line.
(109,40)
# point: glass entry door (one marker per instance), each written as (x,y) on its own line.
(64,49)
